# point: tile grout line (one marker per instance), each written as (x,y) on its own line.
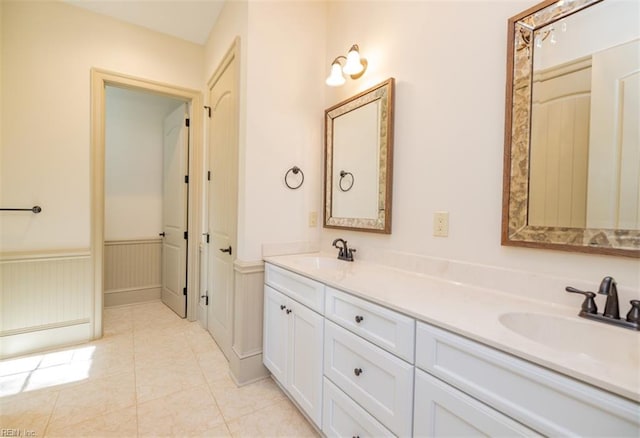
(215,400)
(55,403)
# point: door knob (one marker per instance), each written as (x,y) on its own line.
(359,319)
(226,250)
(357,371)
(161,234)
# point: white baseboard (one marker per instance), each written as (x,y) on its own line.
(132,296)
(47,338)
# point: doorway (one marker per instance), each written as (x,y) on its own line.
(146,146)
(101,80)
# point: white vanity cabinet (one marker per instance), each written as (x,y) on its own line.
(358,360)
(360,369)
(541,399)
(293,342)
(441,410)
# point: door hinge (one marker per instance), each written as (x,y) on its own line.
(186,179)
(208,108)
(186,122)
(206,235)
(208,175)
(186,235)
(184,291)
(206,298)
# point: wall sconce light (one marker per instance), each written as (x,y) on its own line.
(354,66)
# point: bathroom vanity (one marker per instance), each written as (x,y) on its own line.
(368,350)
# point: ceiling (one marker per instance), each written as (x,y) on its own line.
(190,20)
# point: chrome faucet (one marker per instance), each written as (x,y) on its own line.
(344,252)
(609,288)
(611,314)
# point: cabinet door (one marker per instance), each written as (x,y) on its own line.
(304,379)
(442,410)
(274,353)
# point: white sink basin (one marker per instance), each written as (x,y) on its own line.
(576,336)
(315,262)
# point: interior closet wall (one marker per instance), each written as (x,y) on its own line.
(133,195)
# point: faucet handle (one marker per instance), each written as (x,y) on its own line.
(634,313)
(588,305)
(349,255)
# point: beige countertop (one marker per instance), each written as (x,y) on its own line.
(605,356)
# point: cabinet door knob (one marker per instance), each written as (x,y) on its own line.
(288,311)
(282,307)
(357,371)
(359,319)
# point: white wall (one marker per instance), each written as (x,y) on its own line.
(282,92)
(449,60)
(285,90)
(1,86)
(48,51)
(134,162)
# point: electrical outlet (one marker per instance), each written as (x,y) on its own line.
(441,224)
(313,219)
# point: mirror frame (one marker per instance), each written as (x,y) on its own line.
(384,92)
(515,228)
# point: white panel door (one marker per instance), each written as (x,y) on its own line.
(613,199)
(222,204)
(174,211)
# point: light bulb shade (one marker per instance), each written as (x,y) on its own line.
(353,66)
(335,78)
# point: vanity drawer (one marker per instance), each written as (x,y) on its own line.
(342,417)
(541,399)
(387,329)
(302,289)
(377,380)
(442,410)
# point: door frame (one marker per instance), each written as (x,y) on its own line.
(100,79)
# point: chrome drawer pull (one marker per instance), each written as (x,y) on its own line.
(359,319)
(357,371)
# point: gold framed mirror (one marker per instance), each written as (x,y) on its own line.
(572,141)
(359,161)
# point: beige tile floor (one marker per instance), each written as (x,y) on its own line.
(152,374)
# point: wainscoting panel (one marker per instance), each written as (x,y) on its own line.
(44,293)
(245,362)
(248,304)
(132,271)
